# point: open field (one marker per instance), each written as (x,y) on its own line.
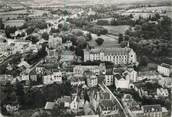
(115,30)
(109,41)
(150,9)
(147,11)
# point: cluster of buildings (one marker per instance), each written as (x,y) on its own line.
(100,68)
(136,110)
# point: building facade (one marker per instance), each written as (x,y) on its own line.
(54,77)
(152,110)
(79,69)
(121,82)
(165,69)
(115,55)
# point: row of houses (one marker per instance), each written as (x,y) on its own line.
(137,110)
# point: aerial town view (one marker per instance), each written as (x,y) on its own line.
(85,58)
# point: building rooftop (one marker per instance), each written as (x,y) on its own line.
(109,71)
(118,77)
(107,104)
(148,86)
(148,73)
(166,65)
(5,78)
(75,79)
(105,95)
(152,108)
(112,51)
(120,71)
(49,105)
(66,99)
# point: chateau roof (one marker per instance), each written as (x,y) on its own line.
(116,51)
(112,51)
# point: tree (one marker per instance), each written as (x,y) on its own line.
(20,93)
(23,34)
(32,38)
(72,48)
(45,36)
(103,22)
(1,24)
(53,30)
(144,61)
(81,42)
(126,37)
(44,14)
(97,30)
(99,41)
(88,37)
(79,52)
(8,94)
(123,44)
(77,32)
(9,30)
(30,30)
(120,38)
(131,15)
(60,26)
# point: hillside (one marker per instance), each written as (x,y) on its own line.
(82,2)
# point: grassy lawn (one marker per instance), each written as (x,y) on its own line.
(117,29)
(146,11)
(109,41)
(26,113)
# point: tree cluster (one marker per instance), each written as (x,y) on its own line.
(152,39)
(97,30)
(32,97)
(34,58)
(9,30)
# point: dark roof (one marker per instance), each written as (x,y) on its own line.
(109,71)
(49,65)
(113,51)
(148,86)
(33,72)
(76,79)
(120,71)
(101,78)
(105,95)
(152,108)
(118,76)
(166,65)
(107,104)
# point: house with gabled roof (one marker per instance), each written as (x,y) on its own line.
(108,108)
(121,81)
(165,69)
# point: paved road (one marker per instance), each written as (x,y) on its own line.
(124,110)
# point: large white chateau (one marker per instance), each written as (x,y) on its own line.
(115,55)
